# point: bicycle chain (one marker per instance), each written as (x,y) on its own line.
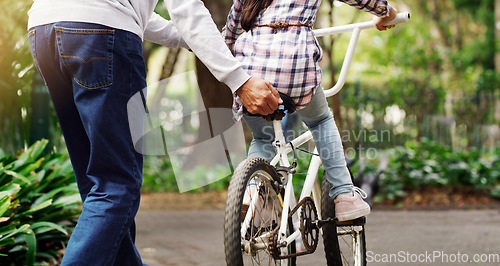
(273,239)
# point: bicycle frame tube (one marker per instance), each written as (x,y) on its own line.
(296,143)
(289,198)
(311,177)
(307,189)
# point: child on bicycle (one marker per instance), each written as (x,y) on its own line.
(274,40)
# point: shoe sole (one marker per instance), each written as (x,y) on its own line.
(353,215)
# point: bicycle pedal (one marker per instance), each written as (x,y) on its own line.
(356,222)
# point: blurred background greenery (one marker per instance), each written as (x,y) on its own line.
(422,103)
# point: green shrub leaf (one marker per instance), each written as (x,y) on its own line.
(17,176)
(4,206)
(14,232)
(43,227)
(30,239)
(38,207)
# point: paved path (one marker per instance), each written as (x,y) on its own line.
(167,237)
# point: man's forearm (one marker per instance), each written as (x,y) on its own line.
(194,23)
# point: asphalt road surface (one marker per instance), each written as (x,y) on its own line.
(449,237)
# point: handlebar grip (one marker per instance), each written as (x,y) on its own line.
(400,18)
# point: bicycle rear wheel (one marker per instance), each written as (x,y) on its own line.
(254,178)
(344,241)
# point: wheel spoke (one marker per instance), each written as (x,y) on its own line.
(253,182)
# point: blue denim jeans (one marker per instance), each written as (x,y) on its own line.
(91,72)
(319,119)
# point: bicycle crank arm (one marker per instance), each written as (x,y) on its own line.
(320,223)
(356,222)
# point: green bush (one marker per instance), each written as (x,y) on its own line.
(159,176)
(417,165)
(39,205)
(429,164)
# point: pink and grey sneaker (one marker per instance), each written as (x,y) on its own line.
(350,205)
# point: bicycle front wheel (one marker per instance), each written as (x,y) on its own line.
(344,241)
(255,202)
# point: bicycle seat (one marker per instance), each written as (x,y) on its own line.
(287,106)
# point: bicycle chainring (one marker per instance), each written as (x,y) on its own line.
(308,226)
(308,229)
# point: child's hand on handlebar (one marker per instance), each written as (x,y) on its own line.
(381,21)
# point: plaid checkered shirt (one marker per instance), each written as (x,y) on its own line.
(287,57)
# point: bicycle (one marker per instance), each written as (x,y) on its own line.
(266,227)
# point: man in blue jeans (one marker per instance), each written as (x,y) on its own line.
(89,54)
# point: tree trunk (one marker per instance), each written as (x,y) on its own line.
(214,93)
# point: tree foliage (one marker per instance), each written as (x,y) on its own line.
(438,64)
(16,70)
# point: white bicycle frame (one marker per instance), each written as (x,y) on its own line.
(310,184)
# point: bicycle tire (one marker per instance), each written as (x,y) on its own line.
(249,170)
(345,242)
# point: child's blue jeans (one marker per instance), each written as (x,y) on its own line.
(319,119)
(91,72)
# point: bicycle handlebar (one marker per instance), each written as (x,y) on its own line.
(400,18)
(356,30)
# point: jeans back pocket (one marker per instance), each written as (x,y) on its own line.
(88,55)
(32,44)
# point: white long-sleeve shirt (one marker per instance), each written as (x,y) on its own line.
(191,25)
